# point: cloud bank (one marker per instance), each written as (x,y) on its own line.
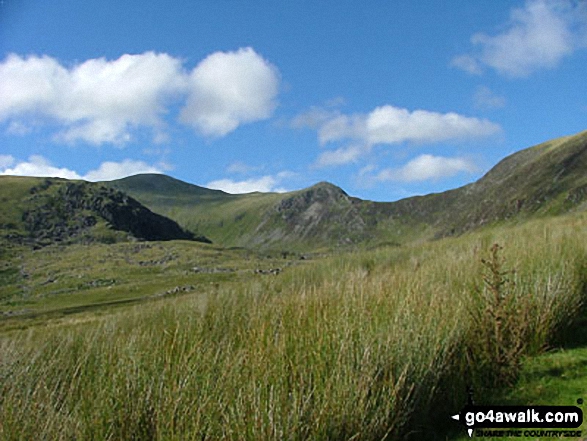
(105,101)
(265,184)
(537,36)
(427,167)
(39,166)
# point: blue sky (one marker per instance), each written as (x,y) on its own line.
(386,99)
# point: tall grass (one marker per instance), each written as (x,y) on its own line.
(363,346)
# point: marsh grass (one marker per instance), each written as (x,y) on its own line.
(370,345)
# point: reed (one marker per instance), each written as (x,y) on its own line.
(364,346)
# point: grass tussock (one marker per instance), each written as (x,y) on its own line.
(372,345)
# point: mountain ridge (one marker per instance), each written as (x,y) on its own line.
(544,179)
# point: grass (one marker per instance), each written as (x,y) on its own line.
(365,345)
(556,378)
(58,280)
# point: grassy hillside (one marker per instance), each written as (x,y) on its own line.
(319,217)
(364,345)
(55,281)
(170,340)
(227,219)
(547,179)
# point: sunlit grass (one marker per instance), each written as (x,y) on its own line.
(358,346)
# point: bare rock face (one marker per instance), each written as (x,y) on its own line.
(322,213)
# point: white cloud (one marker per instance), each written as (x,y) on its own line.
(427,167)
(109,171)
(393,125)
(39,166)
(485,98)
(29,85)
(96,101)
(390,125)
(228,89)
(386,125)
(341,156)
(263,184)
(106,101)
(538,36)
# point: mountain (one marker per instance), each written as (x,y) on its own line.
(165,190)
(547,179)
(322,215)
(228,219)
(41,211)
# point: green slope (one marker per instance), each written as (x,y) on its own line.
(547,179)
(227,219)
(321,216)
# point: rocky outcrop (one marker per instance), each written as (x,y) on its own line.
(321,214)
(61,210)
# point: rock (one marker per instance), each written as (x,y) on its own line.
(71,209)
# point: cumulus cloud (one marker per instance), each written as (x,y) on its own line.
(427,167)
(394,125)
(228,89)
(538,36)
(105,101)
(388,125)
(340,156)
(96,101)
(265,184)
(39,166)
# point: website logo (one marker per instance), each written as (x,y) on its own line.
(512,420)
